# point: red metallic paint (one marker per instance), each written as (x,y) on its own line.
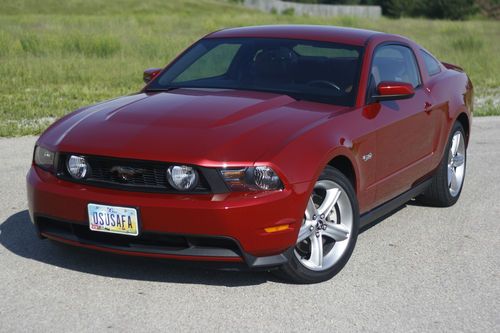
(216,128)
(395,89)
(231,214)
(308,32)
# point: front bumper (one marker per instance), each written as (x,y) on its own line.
(206,227)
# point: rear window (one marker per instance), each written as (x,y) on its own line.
(431,64)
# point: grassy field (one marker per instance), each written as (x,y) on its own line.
(56,56)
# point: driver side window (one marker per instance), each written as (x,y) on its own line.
(394,63)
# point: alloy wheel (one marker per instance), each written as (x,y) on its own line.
(327,227)
(456,164)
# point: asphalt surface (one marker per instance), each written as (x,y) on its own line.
(421,269)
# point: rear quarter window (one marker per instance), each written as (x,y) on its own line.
(431,64)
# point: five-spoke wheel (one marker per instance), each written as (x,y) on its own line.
(448,180)
(328,232)
(330,226)
(456,163)
(328,223)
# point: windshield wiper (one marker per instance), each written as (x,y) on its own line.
(162,89)
(296,95)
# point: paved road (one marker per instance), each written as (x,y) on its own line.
(422,269)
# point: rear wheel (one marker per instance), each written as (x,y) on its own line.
(328,233)
(447,183)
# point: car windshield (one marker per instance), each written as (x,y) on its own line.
(303,69)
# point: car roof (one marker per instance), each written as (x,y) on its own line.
(308,32)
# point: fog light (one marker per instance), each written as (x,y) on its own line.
(77,166)
(182,177)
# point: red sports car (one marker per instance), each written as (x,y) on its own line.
(268,146)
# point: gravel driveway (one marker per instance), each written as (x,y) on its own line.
(421,269)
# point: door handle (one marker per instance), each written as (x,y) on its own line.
(427,107)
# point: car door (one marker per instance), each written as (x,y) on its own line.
(404,135)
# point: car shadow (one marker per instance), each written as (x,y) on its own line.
(382,218)
(17,234)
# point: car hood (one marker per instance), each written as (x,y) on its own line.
(206,127)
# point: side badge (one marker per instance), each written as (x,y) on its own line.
(367,157)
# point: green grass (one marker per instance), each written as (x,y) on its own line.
(56,56)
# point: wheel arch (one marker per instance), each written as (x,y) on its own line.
(463,119)
(345,165)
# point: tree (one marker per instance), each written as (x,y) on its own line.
(445,9)
(489,8)
(438,9)
(397,8)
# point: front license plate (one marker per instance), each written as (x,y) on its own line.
(112,219)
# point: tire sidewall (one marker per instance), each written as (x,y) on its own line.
(457,127)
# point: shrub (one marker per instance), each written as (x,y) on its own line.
(445,9)
(397,8)
(489,8)
(439,9)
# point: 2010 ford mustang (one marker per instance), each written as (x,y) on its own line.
(269,146)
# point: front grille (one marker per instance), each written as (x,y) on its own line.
(147,175)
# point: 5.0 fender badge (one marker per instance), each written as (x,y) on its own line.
(367,157)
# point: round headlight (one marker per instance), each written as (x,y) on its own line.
(77,166)
(182,177)
(266,179)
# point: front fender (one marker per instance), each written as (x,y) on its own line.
(305,157)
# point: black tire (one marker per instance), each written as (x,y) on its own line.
(438,194)
(294,270)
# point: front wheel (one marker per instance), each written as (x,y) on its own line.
(328,233)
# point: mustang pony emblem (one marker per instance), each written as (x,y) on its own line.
(125,173)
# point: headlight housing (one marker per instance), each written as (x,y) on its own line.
(252,179)
(77,166)
(44,158)
(266,179)
(182,177)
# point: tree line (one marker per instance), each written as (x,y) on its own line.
(436,9)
